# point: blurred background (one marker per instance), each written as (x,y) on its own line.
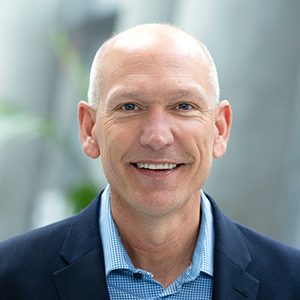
(46,52)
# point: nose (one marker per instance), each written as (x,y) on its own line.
(157,129)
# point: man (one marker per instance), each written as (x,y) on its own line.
(155,120)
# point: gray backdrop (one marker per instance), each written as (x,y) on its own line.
(256,47)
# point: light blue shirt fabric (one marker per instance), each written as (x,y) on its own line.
(126,282)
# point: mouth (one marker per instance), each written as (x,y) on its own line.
(162,167)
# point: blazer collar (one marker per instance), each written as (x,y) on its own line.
(231,259)
(84,277)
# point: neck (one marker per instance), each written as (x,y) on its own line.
(164,245)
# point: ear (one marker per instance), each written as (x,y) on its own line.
(223,117)
(86,118)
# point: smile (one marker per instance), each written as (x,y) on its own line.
(156,167)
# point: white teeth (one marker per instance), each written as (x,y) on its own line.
(156,167)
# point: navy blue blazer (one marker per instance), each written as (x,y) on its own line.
(65,261)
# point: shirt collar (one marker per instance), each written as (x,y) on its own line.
(116,257)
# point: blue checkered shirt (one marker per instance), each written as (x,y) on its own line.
(126,282)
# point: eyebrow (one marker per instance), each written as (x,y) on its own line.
(180,93)
(126,94)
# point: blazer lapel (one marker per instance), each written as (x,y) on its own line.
(84,276)
(231,258)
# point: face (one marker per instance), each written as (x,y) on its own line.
(155,127)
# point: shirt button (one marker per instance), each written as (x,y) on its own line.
(137,275)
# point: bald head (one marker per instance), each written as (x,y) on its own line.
(155,40)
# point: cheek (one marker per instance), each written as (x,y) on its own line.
(105,132)
(199,136)
(116,140)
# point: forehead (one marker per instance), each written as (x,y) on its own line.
(140,57)
(156,44)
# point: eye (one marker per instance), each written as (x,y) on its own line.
(129,106)
(184,106)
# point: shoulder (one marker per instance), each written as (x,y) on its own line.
(31,246)
(28,261)
(31,239)
(50,239)
(269,251)
(275,265)
(258,244)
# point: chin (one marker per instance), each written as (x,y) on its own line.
(160,205)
